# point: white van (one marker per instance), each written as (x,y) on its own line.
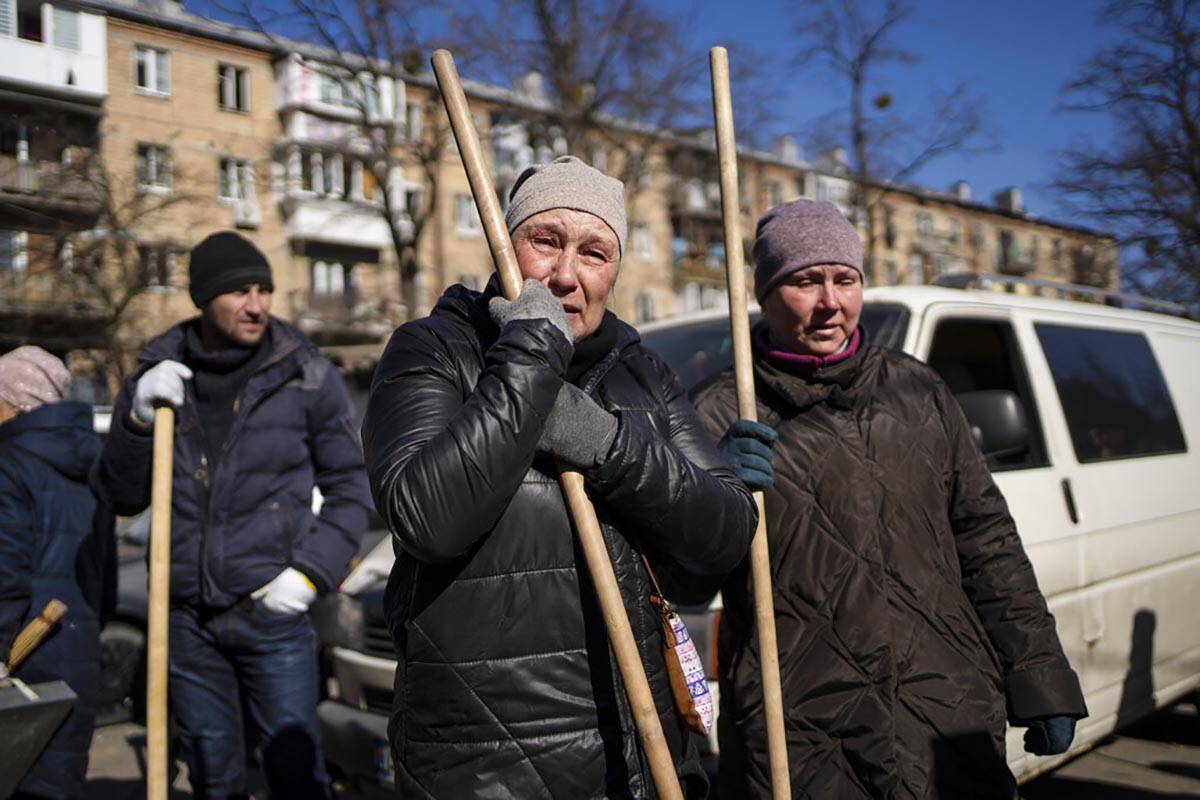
(1091,419)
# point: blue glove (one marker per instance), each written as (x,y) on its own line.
(746,447)
(1050,736)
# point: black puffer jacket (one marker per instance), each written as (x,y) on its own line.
(506,687)
(907,612)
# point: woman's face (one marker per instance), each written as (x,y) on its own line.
(814,311)
(576,256)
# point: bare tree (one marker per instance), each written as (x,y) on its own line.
(90,263)
(885,145)
(363,45)
(618,75)
(1144,185)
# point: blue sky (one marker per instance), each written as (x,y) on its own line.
(1015,55)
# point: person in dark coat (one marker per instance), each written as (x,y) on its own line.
(909,620)
(56,542)
(261,418)
(506,686)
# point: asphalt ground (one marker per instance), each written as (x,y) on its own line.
(1156,758)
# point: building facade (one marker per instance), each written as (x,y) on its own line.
(131,129)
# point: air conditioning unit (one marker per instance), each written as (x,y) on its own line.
(246,214)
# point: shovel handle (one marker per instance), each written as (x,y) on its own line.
(583,514)
(33,633)
(739,324)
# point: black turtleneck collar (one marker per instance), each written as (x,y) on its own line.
(590,351)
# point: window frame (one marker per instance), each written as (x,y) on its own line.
(466,218)
(239,85)
(161,167)
(1021,376)
(155,73)
(1069,430)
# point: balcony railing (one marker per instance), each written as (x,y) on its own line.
(49,183)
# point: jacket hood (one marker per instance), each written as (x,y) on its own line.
(60,434)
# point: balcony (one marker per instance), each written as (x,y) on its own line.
(342,318)
(50,186)
(311,217)
(71,63)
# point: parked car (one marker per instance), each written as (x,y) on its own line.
(1090,420)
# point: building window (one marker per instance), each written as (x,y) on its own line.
(29,19)
(153,70)
(14,252)
(412,202)
(335,92)
(924,223)
(642,241)
(412,120)
(153,167)
(233,88)
(329,278)
(774,193)
(66,28)
(158,264)
(466,218)
(235,179)
(647,307)
(1056,250)
(954,230)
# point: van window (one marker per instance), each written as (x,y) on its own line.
(974,355)
(1112,392)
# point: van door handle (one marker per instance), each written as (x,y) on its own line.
(1069,497)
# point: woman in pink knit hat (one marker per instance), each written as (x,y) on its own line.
(56,542)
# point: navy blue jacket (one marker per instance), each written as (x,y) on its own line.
(237,525)
(55,542)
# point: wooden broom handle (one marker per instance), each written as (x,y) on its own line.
(587,526)
(743,367)
(157,783)
(33,633)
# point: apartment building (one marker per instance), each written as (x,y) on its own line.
(130,129)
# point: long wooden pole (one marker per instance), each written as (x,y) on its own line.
(739,326)
(587,526)
(157,782)
(33,633)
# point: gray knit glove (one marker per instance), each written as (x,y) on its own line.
(534,302)
(578,431)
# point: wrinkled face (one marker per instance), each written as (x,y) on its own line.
(815,310)
(240,316)
(576,256)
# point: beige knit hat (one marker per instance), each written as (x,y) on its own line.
(31,377)
(567,182)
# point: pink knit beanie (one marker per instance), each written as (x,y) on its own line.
(31,377)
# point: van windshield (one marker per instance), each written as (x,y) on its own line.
(697,350)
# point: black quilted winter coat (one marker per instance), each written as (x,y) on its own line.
(506,687)
(909,620)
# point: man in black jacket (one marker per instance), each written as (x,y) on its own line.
(261,417)
(505,685)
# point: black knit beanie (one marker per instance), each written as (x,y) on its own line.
(224,262)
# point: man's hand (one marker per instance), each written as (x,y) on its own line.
(290,593)
(162,383)
(1050,736)
(578,431)
(746,447)
(534,302)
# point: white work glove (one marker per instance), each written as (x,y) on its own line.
(290,592)
(162,383)
(3,671)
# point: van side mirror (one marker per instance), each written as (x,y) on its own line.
(997,421)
